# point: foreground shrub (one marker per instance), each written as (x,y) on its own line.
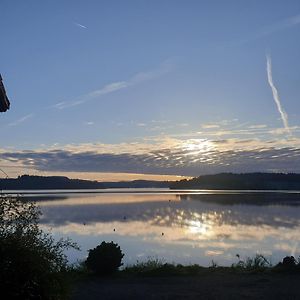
(32,263)
(256,263)
(105,259)
(289,264)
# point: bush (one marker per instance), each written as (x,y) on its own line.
(289,263)
(258,262)
(105,259)
(32,264)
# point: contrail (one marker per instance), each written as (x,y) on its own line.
(283,114)
(80,25)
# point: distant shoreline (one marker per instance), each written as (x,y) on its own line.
(247,182)
(145,191)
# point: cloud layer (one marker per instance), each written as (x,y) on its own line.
(189,158)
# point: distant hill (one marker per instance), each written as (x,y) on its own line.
(28,182)
(223,181)
(247,181)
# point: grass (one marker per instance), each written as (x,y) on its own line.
(158,267)
(155,267)
(257,263)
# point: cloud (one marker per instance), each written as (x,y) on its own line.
(281,25)
(21,120)
(153,210)
(80,25)
(283,114)
(171,157)
(210,126)
(257,126)
(116,86)
(89,123)
(270,29)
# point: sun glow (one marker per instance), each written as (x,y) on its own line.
(197,146)
(198,227)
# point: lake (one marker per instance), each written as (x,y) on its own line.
(176,226)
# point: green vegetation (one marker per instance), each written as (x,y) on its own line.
(32,263)
(105,259)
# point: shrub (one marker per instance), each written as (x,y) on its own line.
(289,263)
(105,259)
(258,262)
(32,263)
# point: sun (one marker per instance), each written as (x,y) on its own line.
(197,146)
(198,227)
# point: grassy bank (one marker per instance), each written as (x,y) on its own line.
(154,279)
(155,267)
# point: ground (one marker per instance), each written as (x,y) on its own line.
(212,285)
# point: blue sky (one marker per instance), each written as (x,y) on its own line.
(111,89)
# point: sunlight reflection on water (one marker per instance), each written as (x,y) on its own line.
(181,228)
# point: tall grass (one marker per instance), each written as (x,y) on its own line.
(258,262)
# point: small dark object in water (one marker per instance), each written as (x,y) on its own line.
(4,102)
(124,218)
(114,229)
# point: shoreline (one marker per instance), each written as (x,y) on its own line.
(145,191)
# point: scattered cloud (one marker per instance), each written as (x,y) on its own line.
(273,28)
(80,25)
(281,25)
(258,126)
(116,86)
(89,123)
(141,124)
(21,120)
(210,126)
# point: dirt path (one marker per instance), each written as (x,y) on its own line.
(207,286)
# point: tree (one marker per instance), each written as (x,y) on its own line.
(105,259)
(32,263)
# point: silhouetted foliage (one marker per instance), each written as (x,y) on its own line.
(258,262)
(32,263)
(247,181)
(105,259)
(289,263)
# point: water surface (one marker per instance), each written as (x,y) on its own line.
(177,226)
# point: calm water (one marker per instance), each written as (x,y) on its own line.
(195,227)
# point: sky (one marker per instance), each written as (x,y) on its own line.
(120,90)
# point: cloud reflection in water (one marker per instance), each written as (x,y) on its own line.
(181,228)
